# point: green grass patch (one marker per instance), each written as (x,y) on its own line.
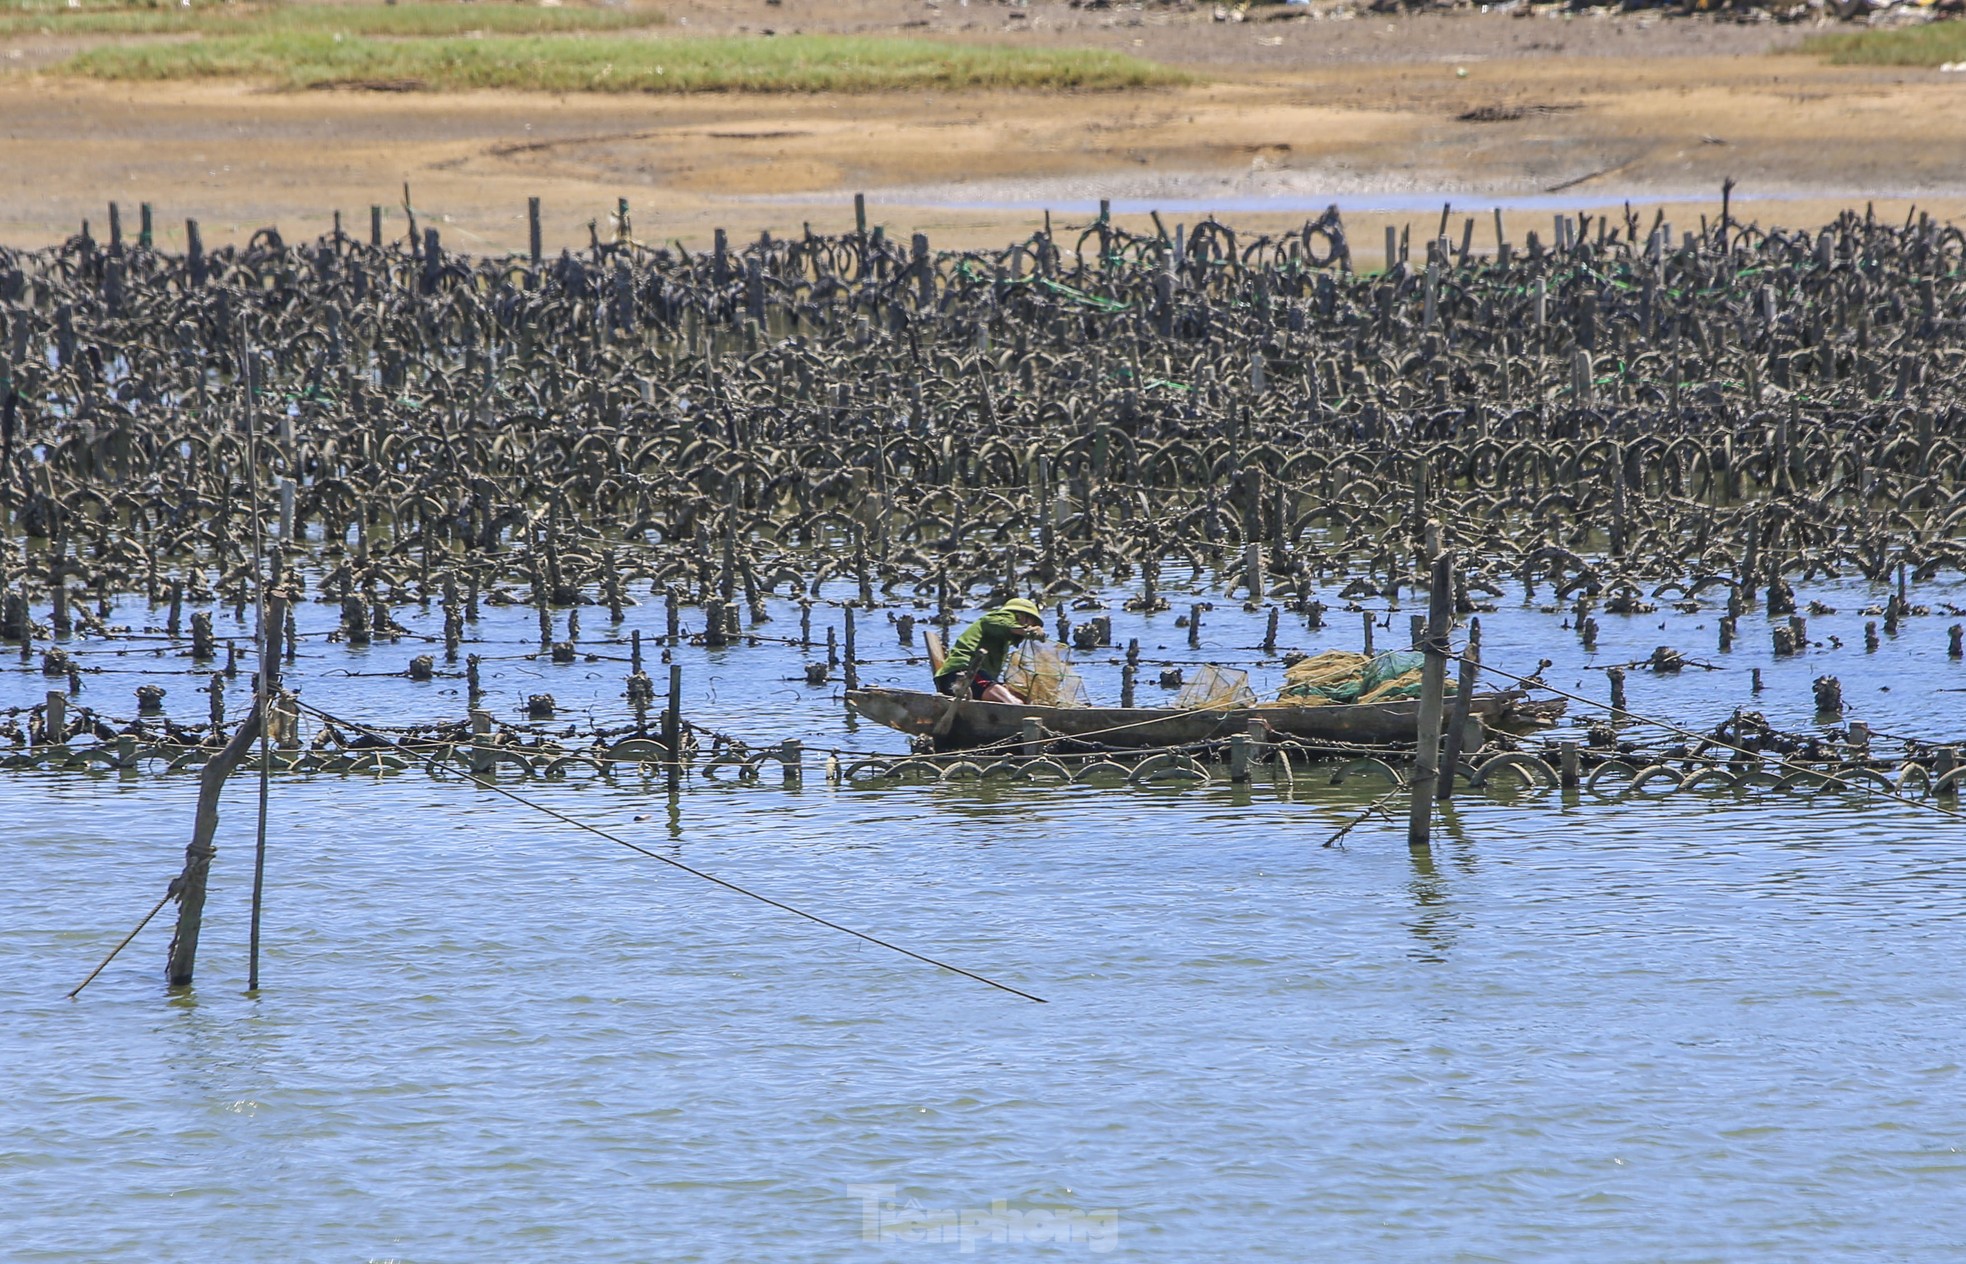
(1932,44)
(572,63)
(402,20)
(51,7)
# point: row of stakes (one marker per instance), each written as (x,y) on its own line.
(1568,764)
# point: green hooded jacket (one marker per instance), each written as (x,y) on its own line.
(982,646)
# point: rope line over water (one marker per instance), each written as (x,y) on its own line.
(162,900)
(694,872)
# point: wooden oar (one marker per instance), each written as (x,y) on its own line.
(947,720)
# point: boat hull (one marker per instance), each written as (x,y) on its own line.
(958,726)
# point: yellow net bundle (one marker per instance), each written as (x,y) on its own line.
(1044,677)
(1305,681)
(1342,676)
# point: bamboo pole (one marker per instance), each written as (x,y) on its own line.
(266,680)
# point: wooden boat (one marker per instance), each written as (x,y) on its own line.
(960,725)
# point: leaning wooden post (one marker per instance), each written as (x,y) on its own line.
(211,781)
(1457,723)
(1433,680)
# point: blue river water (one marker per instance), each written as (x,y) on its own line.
(1694,1027)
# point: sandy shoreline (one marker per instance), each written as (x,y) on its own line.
(1541,115)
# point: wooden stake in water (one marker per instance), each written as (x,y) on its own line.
(199,852)
(483,757)
(1433,680)
(852,675)
(672,728)
(54,721)
(27,615)
(265,680)
(1458,717)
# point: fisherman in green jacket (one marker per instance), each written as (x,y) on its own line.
(982,647)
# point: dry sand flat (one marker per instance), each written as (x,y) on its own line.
(1588,111)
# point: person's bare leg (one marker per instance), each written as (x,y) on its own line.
(997,693)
